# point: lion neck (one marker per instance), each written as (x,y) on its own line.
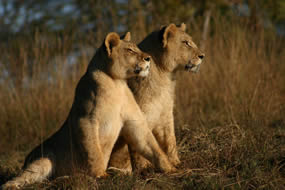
(160,76)
(100,63)
(152,45)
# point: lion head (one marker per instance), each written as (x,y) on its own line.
(126,60)
(182,52)
(173,49)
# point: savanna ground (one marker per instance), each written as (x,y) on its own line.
(229,118)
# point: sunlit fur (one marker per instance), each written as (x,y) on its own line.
(103,109)
(172,49)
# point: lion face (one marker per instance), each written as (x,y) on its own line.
(182,52)
(127,60)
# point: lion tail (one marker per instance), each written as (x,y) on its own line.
(37,171)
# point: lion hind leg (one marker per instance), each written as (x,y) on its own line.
(37,171)
(120,157)
(138,162)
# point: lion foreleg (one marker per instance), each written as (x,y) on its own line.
(91,143)
(140,138)
(165,136)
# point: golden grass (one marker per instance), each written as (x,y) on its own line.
(229,117)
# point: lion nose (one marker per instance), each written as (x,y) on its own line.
(201,56)
(147,59)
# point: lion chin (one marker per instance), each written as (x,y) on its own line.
(144,73)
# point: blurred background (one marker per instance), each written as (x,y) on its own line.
(85,23)
(229,118)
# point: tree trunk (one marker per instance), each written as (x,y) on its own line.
(205,29)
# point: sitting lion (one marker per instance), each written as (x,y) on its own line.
(103,109)
(172,49)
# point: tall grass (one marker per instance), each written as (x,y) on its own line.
(229,117)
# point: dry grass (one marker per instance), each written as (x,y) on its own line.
(230,118)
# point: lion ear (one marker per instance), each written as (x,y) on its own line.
(127,37)
(112,40)
(168,32)
(183,27)
(162,26)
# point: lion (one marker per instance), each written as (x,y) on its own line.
(104,108)
(172,49)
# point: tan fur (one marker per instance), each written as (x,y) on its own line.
(103,109)
(172,49)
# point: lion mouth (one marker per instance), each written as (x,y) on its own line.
(192,67)
(189,66)
(137,70)
(142,72)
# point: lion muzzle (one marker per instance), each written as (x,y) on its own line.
(142,69)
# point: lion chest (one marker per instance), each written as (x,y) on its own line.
(156,107)
(110,102)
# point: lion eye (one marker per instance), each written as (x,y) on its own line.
(130,50)
(187,43)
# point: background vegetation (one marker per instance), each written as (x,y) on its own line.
(229,118)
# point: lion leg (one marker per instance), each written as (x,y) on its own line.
(165,136)
(141,139)
(120,157)
(91,143)
(138,162)
(37,171)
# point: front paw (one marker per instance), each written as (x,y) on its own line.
(170,170)
(102,175)
(174,160)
